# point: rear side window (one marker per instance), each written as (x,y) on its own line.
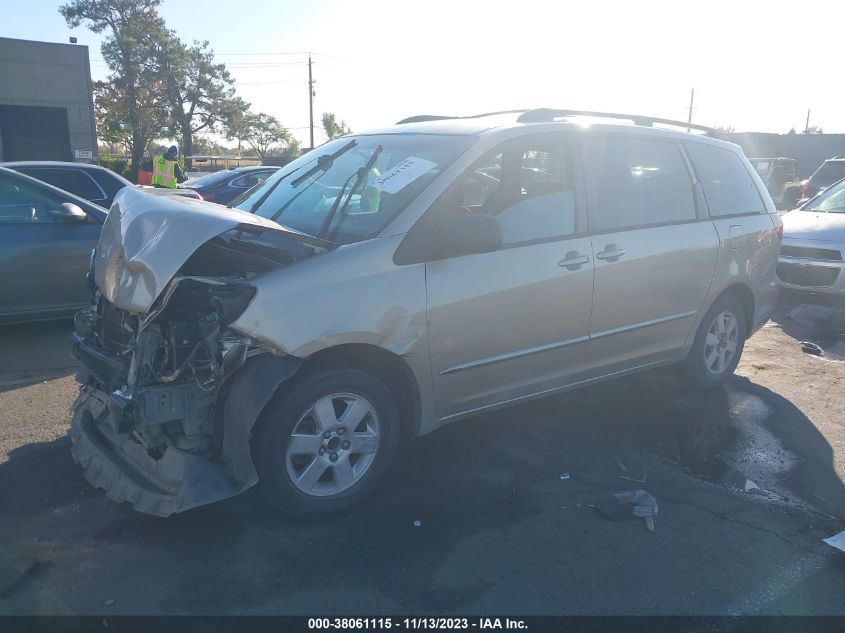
(75,181)
(638,182)
(728,187)
(829,173)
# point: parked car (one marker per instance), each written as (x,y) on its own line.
(46,239)
(831,171)
(366,293)
(227,184)
(780,175)
(92,182)
(813,243)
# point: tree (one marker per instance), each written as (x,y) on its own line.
(814,129)
(791,130)
(264,133)
(200,93)
(133,27)
(113,118)
(333,128)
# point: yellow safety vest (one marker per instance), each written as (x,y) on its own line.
(164,172)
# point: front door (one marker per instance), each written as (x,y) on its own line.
(44,257)
(655,251)
(508,324)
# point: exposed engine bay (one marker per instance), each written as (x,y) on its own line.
(169,390)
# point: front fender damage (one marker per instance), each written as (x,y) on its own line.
(178,480)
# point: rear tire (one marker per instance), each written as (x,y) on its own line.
(718,344)
(325,442)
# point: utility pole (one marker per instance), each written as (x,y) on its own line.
(691,99)
(311,100)
(807,124)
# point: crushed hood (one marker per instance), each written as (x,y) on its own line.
(812,225)
(146,239)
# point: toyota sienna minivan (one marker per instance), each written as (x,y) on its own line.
(389,283)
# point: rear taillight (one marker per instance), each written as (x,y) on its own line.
(779,231)
(198,197)
(805,189)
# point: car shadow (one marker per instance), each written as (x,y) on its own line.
(35,352)
(492,472)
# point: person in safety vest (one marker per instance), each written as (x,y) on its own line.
(166,171)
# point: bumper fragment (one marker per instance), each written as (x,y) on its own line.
(122,467)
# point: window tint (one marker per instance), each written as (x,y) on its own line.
(639,182)
(75,181)
(830,172)
(22,202)
(529,190)
(249,180)
(728,187)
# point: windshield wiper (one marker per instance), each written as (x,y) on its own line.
(324,162)
(361,177)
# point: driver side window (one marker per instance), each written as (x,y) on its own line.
(22,202)
(529,189)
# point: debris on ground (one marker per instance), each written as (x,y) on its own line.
(16,582)
(620,465)
(109,602)
(631,504)
(634,479)
(417,523)
(837,541)
(564,476)
(811,348)
(738,480)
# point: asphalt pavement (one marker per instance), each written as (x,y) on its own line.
(494,515)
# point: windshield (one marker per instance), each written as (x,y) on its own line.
(209,179)
(832,200)
(353,196)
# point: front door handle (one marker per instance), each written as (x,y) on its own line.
(611,253)
(573,260)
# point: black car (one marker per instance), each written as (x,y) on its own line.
(92,182)
(831,171)
(46,239)
(224,186)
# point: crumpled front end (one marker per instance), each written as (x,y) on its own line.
(151,424)
(170,390)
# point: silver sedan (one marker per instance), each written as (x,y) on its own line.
(813,243)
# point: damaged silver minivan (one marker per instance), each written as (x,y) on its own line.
(388,283)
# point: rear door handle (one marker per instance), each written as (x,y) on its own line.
(611,253)
(573,260)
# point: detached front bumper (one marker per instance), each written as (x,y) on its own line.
(118,464)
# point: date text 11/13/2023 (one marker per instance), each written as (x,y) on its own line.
(386,623)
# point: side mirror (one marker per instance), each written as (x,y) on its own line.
(71,212)
(466,234)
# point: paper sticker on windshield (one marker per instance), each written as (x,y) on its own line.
(402,175)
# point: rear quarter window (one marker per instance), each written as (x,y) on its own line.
(829,173)
(728,187)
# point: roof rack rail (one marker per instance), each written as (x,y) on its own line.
(544,115)
(420,118)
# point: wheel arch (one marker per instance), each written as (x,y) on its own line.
(742,293)
(387,366)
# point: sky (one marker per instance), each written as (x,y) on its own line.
(756,66)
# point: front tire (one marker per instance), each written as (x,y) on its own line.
(325,442)
(718,344)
